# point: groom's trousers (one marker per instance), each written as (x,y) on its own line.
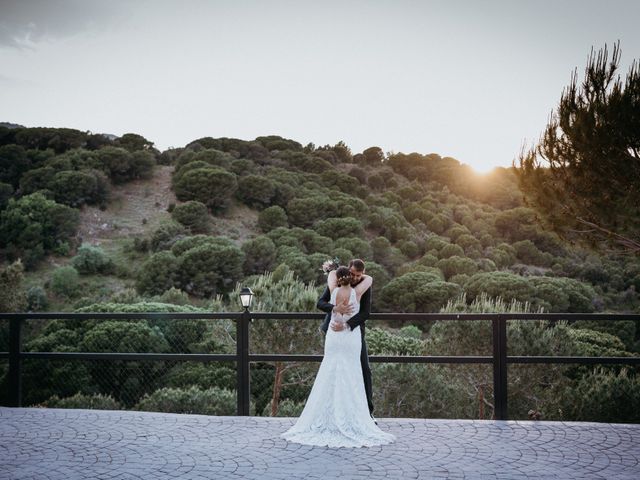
(366,372)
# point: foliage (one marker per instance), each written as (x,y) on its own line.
(91,259)
(212,186)
(36,299)
(605,396)
(256,191)
(259,255)
(272,218)
(280,291)
(500,284)
(158,274)
(593,135)
(123,166)
(12,294)
(357,246)
(35,225)
(193,215)
(65,281)
(417,292)
(76,188)
(562,294)
(202,375)
(384,342)
(80,400)
(286,408)
(166,235)
(336,228)
(305,211)
(209,269)
(212,401)
(456,265)
(13,163)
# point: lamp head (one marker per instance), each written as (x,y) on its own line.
(246,295)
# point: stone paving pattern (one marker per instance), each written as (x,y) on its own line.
(45,444)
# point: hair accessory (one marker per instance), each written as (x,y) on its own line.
(330,265)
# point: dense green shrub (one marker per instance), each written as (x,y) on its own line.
(455,265)
(35,225)
(91,259)
(6,192)
(339,227)
(187,243)
(13,163)
(166,235)
(256,191)
(193,215)
(96,401)
(158,273)
(203,375)
(357,246)
(563,294)
(286,408)
(272,218)
(123,166)
(451,250)
(12,294)
(605,396)
(305,211)
(500,284)
(210,269)
(409,248)
(259,255)
(527,252)
(417,292)
(384,342)
(65,281)
(212,401)
(76,188)
(37,299)
(212,186)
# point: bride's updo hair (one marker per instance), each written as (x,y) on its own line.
(343,276)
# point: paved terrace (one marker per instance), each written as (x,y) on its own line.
(91,444)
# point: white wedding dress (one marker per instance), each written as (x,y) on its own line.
(336,413)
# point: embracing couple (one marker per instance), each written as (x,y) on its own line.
(339,410)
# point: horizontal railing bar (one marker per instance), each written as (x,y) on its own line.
(122,316)
(317,316)
(184,357)
(373,358)
(208,357)
(581,360)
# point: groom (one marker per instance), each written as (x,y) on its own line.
(356,267)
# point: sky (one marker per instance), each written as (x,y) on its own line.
(474,80)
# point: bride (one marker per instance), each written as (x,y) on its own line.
(336,413)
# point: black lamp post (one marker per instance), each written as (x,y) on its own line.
(242,351)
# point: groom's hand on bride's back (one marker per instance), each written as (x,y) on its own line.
(338,326)
(343,308)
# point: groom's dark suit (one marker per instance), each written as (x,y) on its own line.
(357,320)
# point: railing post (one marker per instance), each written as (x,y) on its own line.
(500,367)
(242,352)
(14,377)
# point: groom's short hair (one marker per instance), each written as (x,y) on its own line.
(357,264)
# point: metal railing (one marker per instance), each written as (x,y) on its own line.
(243,357)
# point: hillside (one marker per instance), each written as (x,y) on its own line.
(103,224)
(279,203)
